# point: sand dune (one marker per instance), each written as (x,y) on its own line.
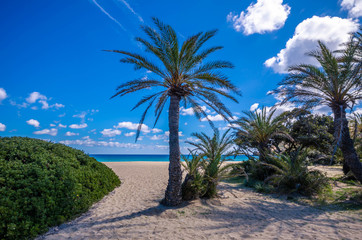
(132,211)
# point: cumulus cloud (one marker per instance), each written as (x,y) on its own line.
(40,98)
(134,126)
(35,96)
(130,134)
(78,126)
(69,134)
(33,122)
(190,111)
(157,137)
(354,7)
(110,132)
(87,141)
(254,106)
(167,133)
(3,94)
(331,30)
(2,127)
(215,118)
(260,17)
(62,126)
(52,132)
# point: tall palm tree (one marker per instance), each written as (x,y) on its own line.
(183,76)
(257,129)
(337,84)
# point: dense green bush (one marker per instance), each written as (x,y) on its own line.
(43,184)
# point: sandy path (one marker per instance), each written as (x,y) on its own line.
(132,212)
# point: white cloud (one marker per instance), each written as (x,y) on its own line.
(52,132)
(57,105)
(110,132)
(78,126)
(190,111)
(130,134)
(52,125)
(80,115)
(354,7)
(216,118)
(167,133)
(134,126)
(87,141)
(44,104)
(35,96)
(156,130)
(69,134)
(321,110)
(42,99)
(33,122)
(2,127)
(157,137)
(331,30)
(3,94)
(254,106)
(62,126)
(192,139)
(263,16)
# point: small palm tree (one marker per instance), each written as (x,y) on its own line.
(337,84)
(257,129)
(183,76)
(214,151)
(291,174)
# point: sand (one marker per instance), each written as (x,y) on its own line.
(132,211)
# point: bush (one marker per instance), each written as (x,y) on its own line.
(292,175)
(43,184)
(206,167)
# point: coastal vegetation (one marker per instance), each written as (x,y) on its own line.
(206,167)
(336,84)
(183,75)
(43,184)
(285,143)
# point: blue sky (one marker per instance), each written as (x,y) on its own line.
(55,82)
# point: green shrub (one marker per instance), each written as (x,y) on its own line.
(43,184)
(193,186)
(292,175)
(206,168)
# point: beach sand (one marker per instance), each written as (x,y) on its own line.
(132,211)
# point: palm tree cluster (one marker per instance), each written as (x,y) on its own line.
(182,75)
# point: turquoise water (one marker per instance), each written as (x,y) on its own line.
(141,158)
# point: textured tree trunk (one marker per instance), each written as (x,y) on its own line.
(345,142)
(173,195)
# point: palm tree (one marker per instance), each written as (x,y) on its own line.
(257,129)
(337,84)
(213,152)
(183,75)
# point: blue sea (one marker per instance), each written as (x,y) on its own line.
(141,158)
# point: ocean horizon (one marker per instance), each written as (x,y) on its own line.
(144,157)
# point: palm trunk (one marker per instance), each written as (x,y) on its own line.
(173,195)
(345,142)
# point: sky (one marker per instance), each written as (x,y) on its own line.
(56,82)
